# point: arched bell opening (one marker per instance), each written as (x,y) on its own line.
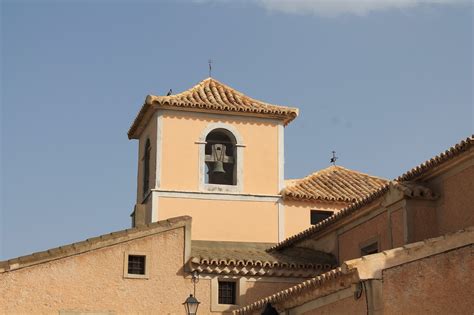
(221,157)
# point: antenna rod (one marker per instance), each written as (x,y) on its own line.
(334,158)
(210,68)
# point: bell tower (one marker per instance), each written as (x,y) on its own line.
(215,154)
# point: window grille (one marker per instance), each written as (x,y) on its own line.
(136,264)
(227,292)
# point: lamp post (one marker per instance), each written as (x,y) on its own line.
(191,304)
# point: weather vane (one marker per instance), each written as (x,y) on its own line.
(334,158)
(210,68)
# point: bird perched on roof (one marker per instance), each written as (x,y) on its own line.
(169,92)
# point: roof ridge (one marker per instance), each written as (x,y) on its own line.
(440,158)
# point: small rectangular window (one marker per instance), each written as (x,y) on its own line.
(227,292)
(136,264)
(372,248)
(319,215)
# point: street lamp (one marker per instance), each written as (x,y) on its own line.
(191,304)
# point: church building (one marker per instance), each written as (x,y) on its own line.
(216,227)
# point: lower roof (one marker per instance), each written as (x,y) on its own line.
(334,183)
(249,258)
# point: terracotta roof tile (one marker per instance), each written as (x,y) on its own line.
(212,95)
(296,290)
(245,258)
(439,159)
(335,183)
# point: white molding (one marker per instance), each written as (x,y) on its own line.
(207,195)
(281,157)
(240,159)
(220,125)
(281,220)
(154,207)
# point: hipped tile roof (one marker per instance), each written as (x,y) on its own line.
(245,258)
(211,95)
(335,183)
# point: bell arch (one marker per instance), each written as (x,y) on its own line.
(220,158)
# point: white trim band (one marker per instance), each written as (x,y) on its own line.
(215,196)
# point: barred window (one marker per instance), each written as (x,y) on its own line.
(136,264)
(227,292)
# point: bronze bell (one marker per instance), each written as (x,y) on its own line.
(218,167)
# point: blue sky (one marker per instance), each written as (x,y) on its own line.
(387,84)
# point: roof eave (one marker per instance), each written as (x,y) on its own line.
(151,104)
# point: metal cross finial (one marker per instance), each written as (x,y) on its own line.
(210,68)
(334,158)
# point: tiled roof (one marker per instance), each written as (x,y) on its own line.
(410,190)
(244,258)
(455,150)
(366,267)
(212,95)
(296,290)
(335,183)
(94,243)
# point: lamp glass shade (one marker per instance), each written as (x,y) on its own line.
(191,304)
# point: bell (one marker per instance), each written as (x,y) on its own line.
(218,167)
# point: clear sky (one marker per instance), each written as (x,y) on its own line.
(387,84)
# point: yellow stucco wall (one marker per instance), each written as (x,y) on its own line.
(225,220)
(180,153)
(298,214)
(93,281)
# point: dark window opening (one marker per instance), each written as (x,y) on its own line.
(220,157)
(136,264)
(146,168)
(319,215)
(227,292)
(370,249)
